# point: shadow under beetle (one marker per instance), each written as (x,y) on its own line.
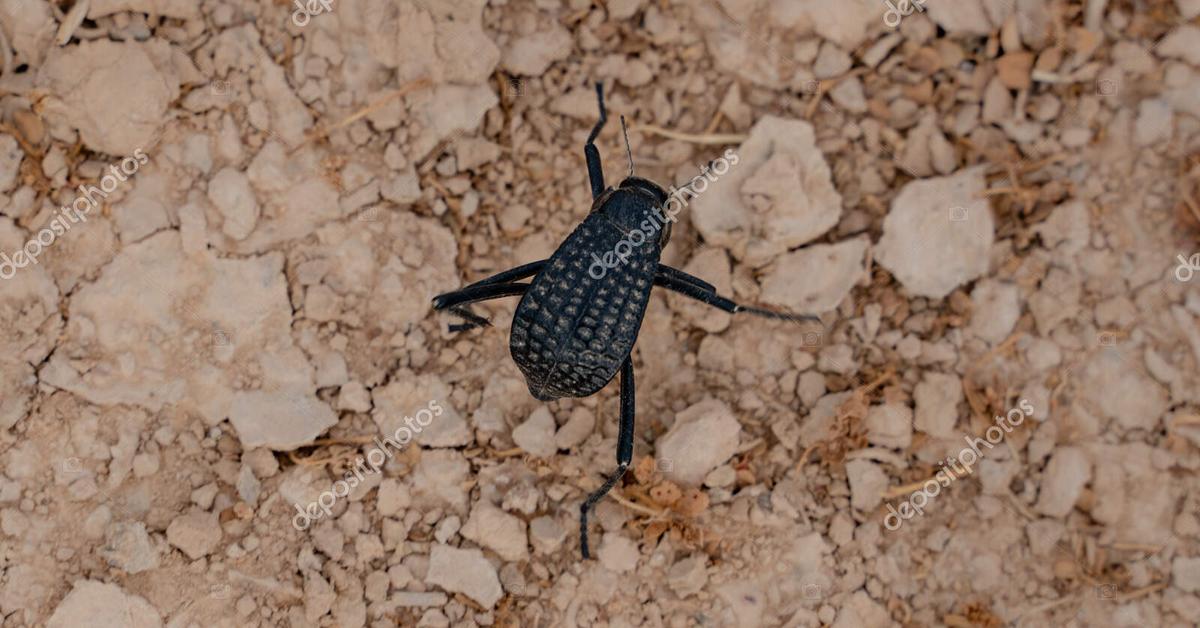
(572,332)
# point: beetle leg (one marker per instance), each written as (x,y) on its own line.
(590,154)
(624,453)
(512,274)
(689,289)
(457,301)
(682,276)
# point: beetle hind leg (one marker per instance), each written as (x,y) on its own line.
(689,286)
(624,453)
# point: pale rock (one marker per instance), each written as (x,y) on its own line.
(546,535)
(11,156)
(832,61)
(623,9)
(419,404)
(248,486)
(576,430)
(1062,482)
(464,571)
(536,435)
(890,425)
(938,234)
(354,397)
(471,153)
(618,553)
(439,478)
(848,94)
(193,227)
(446,110)
(688,576)
(447,529)
(392,497)
(704,436)
(1185,573)
(1119,390)
(791,283)
(196,533)
(181,9)
(115,93)
(937,398)
(29,27)
(867,484)
(844,23)
(1154,121)
(997,102)
(1188,9)
(810,387)
(1182,43)
(860,611)
(102,605)
(995,308)
(498,531)
(230,192)
(964,17)
(1067,229)
(532,54)
(128,547)
(209,312)
(776,195)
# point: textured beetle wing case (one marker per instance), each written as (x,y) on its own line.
(572,331)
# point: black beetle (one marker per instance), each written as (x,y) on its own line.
(573,330)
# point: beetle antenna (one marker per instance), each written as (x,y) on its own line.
(628,150)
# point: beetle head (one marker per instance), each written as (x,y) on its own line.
(637,203)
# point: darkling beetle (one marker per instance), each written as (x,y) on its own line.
(572,331)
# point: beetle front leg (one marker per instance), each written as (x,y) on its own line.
(624,453)
(456,302)
(590,154)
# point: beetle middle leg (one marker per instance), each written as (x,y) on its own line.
(624,453)
(456,302)
(687,285)
(590,154)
